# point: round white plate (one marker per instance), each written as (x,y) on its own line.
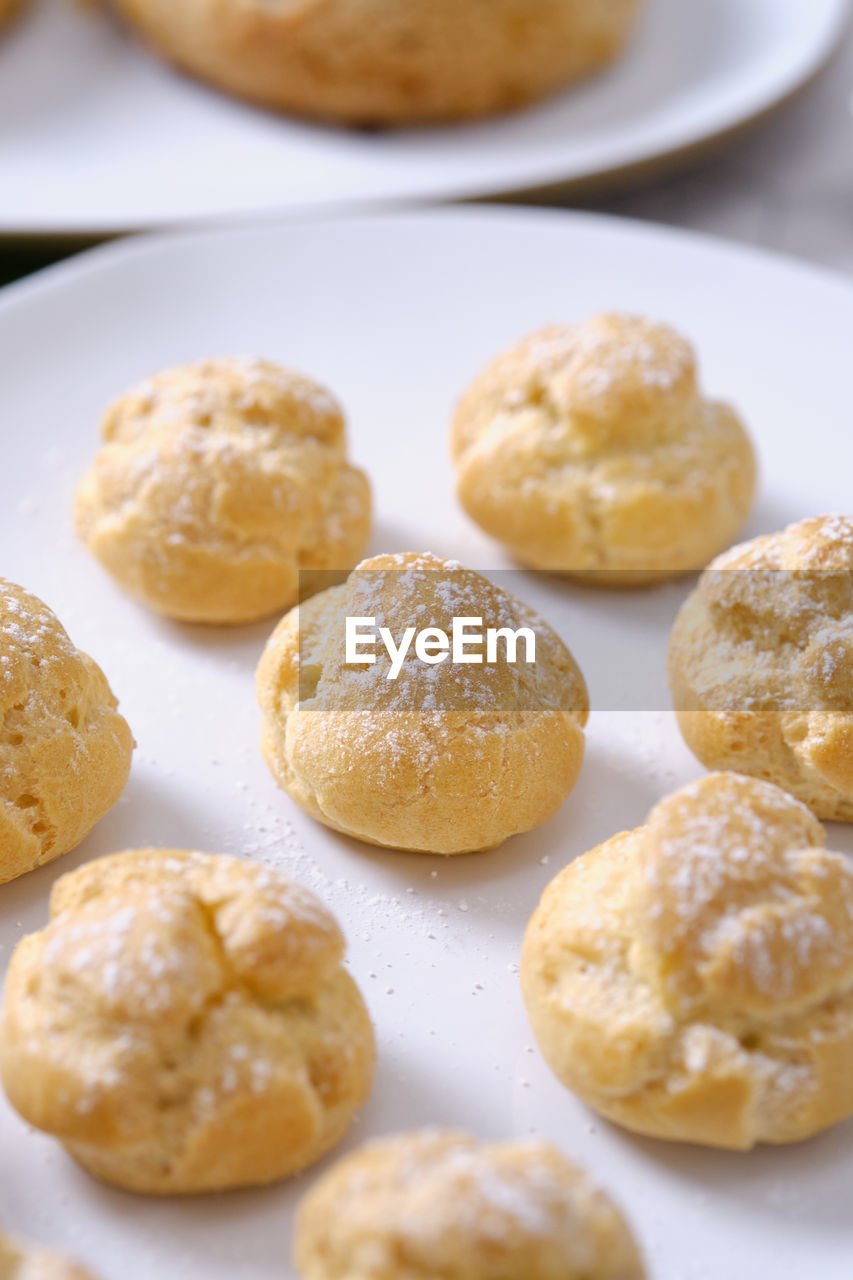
(396,315)
(96,136)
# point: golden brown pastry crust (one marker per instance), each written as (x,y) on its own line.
(217,484)
(448,759)
(65,751)
(8,10)
(184,1023)
(437,1205)
(24,1262)
(590,450)
(761,663)
(387,61)
(693,979)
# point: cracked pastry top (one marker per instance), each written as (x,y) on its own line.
(438,1205)
(65,751)
(217,485)
(590,450)
(184,1023)
(693,979)
(19,1261)
(386,62)
(447,758)
(761,663)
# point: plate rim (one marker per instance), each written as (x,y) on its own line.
(110,256)
(683,144)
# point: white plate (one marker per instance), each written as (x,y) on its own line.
(396,315)
(96,136)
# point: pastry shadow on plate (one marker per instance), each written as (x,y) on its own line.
(769,515)
(839,837)
(150,812)
(241,642)
(201,1222)
(390,538)
(803,1181)
(504,884)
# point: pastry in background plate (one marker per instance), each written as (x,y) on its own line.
(443,757)
(8,10)
(184,1023)
(761,663)
(693,979)
(590,450)
(438,1205)
(20,1261)
(217,485)
(65,751)
(387,61)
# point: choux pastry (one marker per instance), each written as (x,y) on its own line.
(184,1023)
(386,62)
(220,487)
(8,10)
(65,751)
(693,979)
(445,757)
(761,663)
(590,450)
(22,1262)
(438,1205)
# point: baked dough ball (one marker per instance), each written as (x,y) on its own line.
(184,1023)
(21,1262)
(387,61)
(693,979)
(590,450)
(447,758)
(8,10)
(219,482)
(65,751)
(761,663)
(436,1205)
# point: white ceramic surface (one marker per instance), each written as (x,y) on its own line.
(787,186)
(97,136)
(396,315)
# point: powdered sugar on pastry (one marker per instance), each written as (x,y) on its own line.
(19,1261)
(761,663)
(217,484)
(184,1023)
(693,979)
(65,751)
(446,758)
(590,449)
(437,1205)
(387,61)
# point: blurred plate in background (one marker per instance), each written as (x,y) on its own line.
(97,136)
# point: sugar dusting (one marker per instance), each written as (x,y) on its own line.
(435,1187)
(30,635)
(781,609)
